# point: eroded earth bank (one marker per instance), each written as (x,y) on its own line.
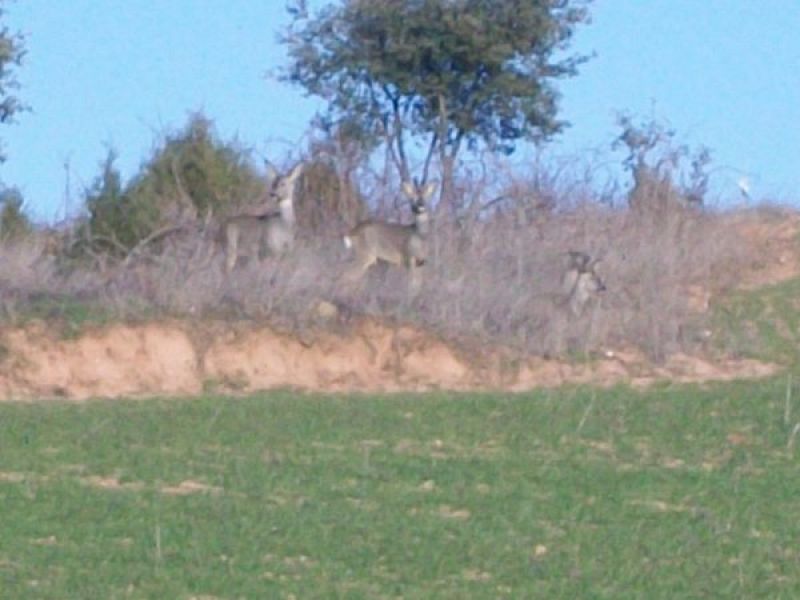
(187,358)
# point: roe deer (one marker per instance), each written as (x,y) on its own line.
(252,235)
(581,282)
(580,285)
(401,245)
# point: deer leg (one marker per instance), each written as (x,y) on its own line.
(555,333)
(414,277)
(231,248)
(359,269)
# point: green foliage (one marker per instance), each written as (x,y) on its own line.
(116,223)
(677,492)
(117,219)
(192,173)
(197,171)
(12,51)
(14,223)
(67,315)
(450,71)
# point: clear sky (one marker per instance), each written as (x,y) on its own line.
(119,73)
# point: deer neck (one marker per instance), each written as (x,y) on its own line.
(422,224)
(287,212)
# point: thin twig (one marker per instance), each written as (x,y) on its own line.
(793,436)
(155,236)
(158,543)
(586,412)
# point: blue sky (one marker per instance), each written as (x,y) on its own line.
(118,73)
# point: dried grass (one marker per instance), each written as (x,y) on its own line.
(493,277)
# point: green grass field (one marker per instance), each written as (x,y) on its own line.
(676,492)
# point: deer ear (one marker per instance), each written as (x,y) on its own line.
(272,172)
(429,189)
(409,190)
(295,172)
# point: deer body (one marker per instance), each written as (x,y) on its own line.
(401,245)
(254,235)
(581,283)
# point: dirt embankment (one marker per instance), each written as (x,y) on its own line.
(183,358)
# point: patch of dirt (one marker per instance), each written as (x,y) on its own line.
(187,487)
(370,357)
(448,512)
(184,488)
(178,358)
(683,368)
(13,477)
(119,360)
(111,483)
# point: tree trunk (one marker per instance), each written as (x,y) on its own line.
(446,188)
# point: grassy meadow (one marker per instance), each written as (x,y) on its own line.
(673,492)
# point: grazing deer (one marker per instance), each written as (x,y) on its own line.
(581,282)
(401,245)
(252,234)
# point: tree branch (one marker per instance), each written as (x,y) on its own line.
(429,157)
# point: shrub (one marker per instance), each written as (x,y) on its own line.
(117,220)
(14,223)
(195,172)
(190,175)
(661,179)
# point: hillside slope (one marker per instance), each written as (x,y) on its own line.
(754,331)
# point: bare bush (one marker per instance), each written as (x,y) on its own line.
(494,276)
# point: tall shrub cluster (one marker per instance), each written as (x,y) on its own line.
(191,174)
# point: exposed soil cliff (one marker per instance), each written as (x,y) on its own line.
(184,358)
